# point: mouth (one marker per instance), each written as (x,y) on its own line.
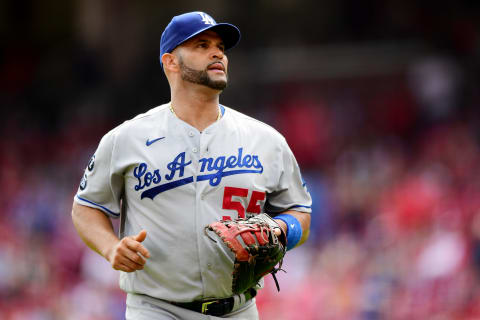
(216,66)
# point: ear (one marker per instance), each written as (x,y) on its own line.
(170,62)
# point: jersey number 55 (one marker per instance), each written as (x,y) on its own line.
(237,205)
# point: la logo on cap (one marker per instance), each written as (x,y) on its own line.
(206,18)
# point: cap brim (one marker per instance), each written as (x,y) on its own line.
(228,32)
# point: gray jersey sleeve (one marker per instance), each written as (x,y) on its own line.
(100,187)
(291,192)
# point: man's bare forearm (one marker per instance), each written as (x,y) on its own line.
(95,229)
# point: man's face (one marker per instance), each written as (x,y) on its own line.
(203,61)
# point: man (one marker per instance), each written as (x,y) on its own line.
(176,169)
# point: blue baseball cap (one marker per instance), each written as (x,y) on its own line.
(188,25)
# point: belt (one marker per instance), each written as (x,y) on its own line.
(215,307)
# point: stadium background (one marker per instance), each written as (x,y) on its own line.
(378,99)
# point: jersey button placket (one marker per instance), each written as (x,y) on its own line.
(191,134)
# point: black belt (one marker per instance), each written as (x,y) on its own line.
(214,307)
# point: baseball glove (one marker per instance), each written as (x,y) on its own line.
(256,247)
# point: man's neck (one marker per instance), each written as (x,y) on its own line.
(199,108)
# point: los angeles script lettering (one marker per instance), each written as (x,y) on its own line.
(214,170)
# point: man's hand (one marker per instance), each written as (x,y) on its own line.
(129,254)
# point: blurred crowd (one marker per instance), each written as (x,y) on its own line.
(392,162)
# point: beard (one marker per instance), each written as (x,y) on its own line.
(200,77)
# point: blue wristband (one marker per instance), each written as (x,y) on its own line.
(294,229)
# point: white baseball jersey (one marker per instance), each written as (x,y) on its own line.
(172,180)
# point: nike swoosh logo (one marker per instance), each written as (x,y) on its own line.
(149,142)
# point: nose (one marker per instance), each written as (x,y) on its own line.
(217,53)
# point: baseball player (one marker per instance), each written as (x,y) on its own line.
(172,171)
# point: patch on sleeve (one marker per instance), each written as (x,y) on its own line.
(83,182)
(91,163)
